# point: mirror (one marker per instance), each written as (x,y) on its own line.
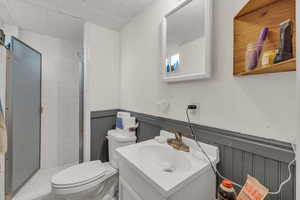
(186,41)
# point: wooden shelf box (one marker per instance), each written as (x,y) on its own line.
(254,16)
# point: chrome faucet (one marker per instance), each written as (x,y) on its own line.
(177,143)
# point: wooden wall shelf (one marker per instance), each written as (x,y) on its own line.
(285,66)
(254,16)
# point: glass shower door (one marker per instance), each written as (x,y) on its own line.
(23,115)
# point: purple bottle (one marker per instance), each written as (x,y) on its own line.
(254,54)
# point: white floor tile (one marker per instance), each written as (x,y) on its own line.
(39,186)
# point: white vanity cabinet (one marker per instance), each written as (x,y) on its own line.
(140,180)
(126,192)
(133,185)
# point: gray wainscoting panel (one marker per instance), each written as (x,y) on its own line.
(240,154)
(101,122)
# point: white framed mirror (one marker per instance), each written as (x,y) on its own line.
(186,41)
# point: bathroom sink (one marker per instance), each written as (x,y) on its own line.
(165,168)
(163,158)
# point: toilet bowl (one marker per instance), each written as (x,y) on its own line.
(92,180)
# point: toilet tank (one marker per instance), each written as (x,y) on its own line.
(116,139)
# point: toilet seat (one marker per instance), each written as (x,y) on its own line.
(79,188)
(79,175)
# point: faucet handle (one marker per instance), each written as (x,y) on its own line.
(178,136)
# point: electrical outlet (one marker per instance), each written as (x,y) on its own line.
(195,110)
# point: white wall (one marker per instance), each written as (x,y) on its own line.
(60,98)
(2,86)
(102,59)
(2,96)
(9,30)
(2,72)
(262,105)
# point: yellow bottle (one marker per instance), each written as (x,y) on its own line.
(268,58)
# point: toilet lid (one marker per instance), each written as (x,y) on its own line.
(79,174)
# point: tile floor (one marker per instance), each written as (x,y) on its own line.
(39,187)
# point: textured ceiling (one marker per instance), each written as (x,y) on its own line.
(65,18)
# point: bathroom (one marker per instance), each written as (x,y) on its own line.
(104,57)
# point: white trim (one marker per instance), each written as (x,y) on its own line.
(3,77)
(186,77)
(86,109)
(2,96)
(208,42)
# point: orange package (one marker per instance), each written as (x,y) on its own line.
(253,190)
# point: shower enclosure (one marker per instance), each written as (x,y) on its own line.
(23,111)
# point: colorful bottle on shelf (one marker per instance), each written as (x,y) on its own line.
(286,44)
(254,50)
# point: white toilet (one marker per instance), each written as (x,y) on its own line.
(92,180)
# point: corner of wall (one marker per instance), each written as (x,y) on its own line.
(102,74)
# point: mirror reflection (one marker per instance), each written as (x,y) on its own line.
(185,39)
